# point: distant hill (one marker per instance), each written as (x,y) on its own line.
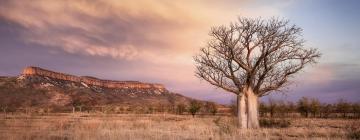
(41,88)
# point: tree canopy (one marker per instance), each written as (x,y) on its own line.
(262,54)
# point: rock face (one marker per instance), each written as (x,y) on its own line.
(36,71)
(41,88)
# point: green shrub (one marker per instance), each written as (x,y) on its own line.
(194,107)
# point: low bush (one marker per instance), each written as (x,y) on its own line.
(274,123)
(353,132)
(224,126)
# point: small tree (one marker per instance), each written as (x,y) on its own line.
(172,106)
(281,108)
(180,108)
(263,109)
(343,107)
(194,107)
(28,106)
(290,108)
(150,110)
(76,103)
(326,110)
(304,106)
(211,108)
(356,110)
(314,107)
(272,107)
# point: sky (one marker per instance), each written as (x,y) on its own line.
(155,41)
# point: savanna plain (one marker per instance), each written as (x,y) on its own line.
(95,126)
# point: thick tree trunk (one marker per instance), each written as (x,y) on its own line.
(252,109)
(241,107)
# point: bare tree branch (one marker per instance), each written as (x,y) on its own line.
(256,53)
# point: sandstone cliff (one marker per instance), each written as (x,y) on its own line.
(40,88)
(29,71)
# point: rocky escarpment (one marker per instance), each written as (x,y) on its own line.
(36,71)
(37,87)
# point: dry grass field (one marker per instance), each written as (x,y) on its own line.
(163,127)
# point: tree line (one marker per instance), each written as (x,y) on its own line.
(193,107)
(309,107)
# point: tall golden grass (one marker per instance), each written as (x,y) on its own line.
(162,127)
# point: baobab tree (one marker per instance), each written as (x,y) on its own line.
(253,58)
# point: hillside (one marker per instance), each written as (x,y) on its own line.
(41,88)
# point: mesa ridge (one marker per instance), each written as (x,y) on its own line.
(33,71)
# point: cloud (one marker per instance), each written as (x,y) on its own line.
(123,29)
(117,29)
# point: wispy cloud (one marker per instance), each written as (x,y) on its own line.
(119,29)
(123,29)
